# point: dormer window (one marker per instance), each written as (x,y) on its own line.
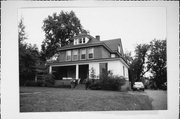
(75,42)
(80,40)
(84,41)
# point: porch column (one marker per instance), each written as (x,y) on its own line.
(50,69)
(77,71)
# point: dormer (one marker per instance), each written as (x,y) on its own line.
(81,40)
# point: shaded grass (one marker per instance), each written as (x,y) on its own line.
(41,99)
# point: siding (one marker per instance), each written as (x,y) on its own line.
(117,68)
(105,53)
(99,52)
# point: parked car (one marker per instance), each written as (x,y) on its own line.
(138,86)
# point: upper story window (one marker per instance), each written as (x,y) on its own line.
(80,40)
(83,40)
(91,53)
(75,54)
(68,55)
(83,54)
(75,41)
(113,55)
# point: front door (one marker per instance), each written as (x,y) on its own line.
(83,72)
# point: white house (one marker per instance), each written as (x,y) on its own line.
(85,53)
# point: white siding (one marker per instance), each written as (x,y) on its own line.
(94,65)
(126,73)
(117,68)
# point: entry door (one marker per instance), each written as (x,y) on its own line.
(83,72)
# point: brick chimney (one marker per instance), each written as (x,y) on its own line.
(98,37)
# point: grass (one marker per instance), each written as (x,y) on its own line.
(41,99)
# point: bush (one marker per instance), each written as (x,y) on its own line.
(48,80)
(33,83)
(113,83)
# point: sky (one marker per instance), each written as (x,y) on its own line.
(134,25)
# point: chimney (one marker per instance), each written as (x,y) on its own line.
(98,37)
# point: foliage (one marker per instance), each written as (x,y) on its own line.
(59,29)
(137,66)
(92,73)
(21,31)
(108,82)
(48,80)
(28,56)
(149,57)
(157,62)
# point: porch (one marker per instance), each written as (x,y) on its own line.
(69,72)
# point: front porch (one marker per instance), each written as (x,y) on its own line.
(69,72)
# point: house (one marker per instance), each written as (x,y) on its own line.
(87,53)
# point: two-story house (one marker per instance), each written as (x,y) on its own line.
(87,53)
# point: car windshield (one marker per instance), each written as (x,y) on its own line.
(138,83)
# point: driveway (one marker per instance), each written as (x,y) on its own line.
(158,97)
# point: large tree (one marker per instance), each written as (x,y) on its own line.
(28,56)
(59,29)
(137,65)
(157,62)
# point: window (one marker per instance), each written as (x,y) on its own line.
(84,41)
(83,53)
(80,40)
(68,55)
(113,55)
(75,42)
(119,49)
(90,53)
(75,54)
(103,67)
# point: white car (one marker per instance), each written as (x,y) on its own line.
(138,86)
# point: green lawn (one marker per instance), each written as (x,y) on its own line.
(42,99)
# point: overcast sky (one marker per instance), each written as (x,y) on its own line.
(134,25)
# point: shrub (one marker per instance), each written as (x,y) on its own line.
(112,82)
(33,83)
(48,80)
(108,82)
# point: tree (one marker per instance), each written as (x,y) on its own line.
(21,31)
(59,29)
(28,56)
(137,65)
(157,62)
